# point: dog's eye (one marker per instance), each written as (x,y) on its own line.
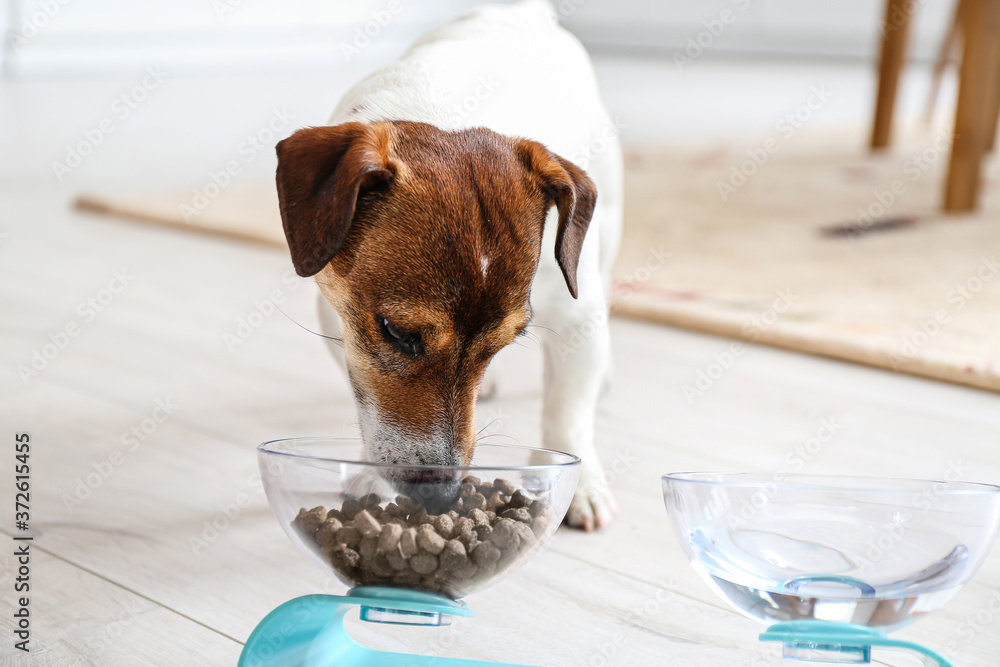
(407,342)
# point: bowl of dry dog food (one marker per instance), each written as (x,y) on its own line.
(442,529)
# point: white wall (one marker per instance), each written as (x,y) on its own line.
(110,36)
(94,37)
(839,28)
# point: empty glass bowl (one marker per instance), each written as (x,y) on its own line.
(441,529)
(859,550)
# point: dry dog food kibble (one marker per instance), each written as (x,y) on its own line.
(484,531)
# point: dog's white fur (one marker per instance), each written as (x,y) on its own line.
(512,69)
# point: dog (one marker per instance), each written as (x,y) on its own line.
(452,200)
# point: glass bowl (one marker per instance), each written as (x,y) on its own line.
(860,550)
(442,529)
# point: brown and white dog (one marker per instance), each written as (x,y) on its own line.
(425,211)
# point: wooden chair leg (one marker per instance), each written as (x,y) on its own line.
(992,92)
(982,24)
(894,30)
(950,52)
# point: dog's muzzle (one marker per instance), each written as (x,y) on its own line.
(434,489)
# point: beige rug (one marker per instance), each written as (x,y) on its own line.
(766,257)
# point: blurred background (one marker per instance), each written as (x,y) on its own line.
(148,361)
(137,109)
(228,63)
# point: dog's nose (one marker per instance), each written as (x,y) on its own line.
(434,489)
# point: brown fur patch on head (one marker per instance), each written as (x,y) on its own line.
(443,243)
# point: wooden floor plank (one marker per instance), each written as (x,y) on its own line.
(78,618)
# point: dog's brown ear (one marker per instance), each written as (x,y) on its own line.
(321,173)
(574,195)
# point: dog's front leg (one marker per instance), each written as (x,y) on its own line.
(577,354)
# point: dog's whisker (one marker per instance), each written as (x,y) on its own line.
(491,435)
(539,326)
(315,333)
(542,326)
(497,435)
(538,345)
(531,337)
(355,484)
(491,422)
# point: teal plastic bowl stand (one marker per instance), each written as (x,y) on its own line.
(309,631)
(845,643)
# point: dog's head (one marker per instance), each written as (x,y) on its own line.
(426,242)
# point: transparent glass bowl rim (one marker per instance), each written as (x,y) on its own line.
(854,484)
(568,460)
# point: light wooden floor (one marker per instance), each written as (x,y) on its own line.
(115,579)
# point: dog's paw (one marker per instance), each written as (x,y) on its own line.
(593,505)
